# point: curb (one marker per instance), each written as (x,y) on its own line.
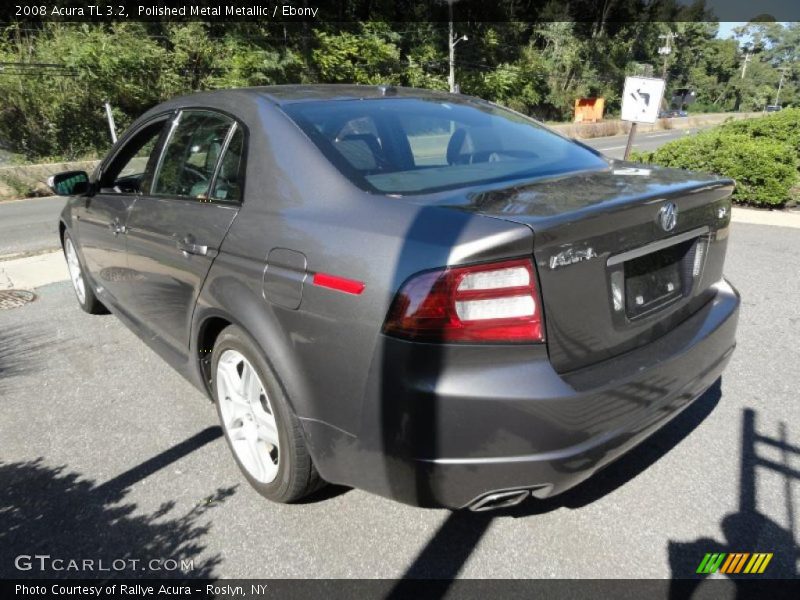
(773,218)
(30,272)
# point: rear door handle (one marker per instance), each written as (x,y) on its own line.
(116,227)
(188,246)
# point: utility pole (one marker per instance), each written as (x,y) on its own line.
(666,50)
(451,44)
(780,85)
(111,126)
(744,64)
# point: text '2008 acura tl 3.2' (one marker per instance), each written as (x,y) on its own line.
(419,294)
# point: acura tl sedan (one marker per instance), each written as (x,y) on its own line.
(418,294)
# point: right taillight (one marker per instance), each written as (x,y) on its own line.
(494,302)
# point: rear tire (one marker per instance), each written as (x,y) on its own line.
(261,429)
(83,289)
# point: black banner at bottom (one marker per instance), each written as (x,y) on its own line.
(334,589)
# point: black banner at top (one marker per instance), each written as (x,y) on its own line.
(322,11)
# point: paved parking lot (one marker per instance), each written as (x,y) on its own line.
(105,453)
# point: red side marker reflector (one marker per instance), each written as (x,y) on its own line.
(348,286)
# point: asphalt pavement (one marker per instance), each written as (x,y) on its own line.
(614,146)
(106,453)
(30,226)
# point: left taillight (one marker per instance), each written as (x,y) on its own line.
(493,302)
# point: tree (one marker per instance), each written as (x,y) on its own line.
(538,62)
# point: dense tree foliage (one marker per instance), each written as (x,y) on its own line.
(57,76)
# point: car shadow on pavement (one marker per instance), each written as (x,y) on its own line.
(22,350)
(58,513)
(747,530)
(327,492)
(451,546)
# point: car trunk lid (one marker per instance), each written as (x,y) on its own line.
(612,276)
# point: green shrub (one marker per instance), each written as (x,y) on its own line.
(783,126)
(761,155)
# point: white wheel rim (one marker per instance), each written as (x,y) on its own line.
(75,273)
(247,416)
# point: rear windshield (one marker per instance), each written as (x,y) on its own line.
(414,146)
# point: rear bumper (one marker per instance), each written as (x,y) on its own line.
(447,425)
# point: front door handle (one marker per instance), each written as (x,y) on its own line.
(188,246)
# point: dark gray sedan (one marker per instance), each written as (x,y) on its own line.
(420,294)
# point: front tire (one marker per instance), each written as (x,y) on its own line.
(83,290)
(261,429)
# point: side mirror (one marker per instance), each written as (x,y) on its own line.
(69,183)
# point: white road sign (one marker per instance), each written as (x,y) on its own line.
(642,99)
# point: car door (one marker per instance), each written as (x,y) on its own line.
(175,231)
(102,217)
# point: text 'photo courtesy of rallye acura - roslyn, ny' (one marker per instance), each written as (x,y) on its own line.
(415,293)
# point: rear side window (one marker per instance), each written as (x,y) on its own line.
(190,155)
(414,145)
(228,184)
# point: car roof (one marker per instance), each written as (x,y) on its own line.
(231,99)
(290,94)
(284,94)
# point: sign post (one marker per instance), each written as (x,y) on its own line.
(641,98)
(111,126)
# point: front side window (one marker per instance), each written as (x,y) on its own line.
(420,145)
(190,155)
(128,171)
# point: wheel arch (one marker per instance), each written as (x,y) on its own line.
(207,333)
(251,314)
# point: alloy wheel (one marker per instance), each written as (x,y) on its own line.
(75,273)
(247,416)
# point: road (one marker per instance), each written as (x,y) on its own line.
(614,146)
(107,453)
(31,225)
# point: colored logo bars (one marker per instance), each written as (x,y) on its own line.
(734,562)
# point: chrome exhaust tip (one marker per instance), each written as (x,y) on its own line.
(497,500)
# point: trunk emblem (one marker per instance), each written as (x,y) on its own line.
(571,256)
(668,216)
